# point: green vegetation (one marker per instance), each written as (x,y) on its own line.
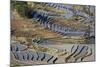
(20,7)
(23,8)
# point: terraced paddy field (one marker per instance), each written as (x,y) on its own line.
(51,33)
(51,54)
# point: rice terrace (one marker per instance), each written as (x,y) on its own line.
(51,33)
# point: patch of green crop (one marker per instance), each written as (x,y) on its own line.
(20,7)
